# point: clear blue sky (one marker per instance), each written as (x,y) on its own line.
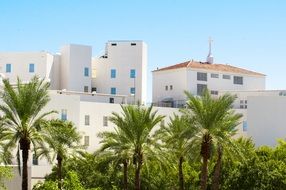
(247,33)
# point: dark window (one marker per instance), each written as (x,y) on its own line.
(86,120)
(202,76)
(105,121)
(86,140)
(93,89)
(85,89)
(201,88)
(237,80)
(171,87)
(214,92)
(166,87)
(114,44)
(35,160)
(133,44)
(226,76)
(213,75)
(111,100)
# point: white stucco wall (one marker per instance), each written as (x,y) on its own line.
(266,119)
(177,78)
(74,58)
(20,65)
(123,57)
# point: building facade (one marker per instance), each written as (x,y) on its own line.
(169,83)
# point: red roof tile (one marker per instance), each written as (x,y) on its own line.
(213,67)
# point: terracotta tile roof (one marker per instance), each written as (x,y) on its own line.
(213,67)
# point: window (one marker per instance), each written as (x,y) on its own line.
(214,92)
(86,72)
(201,88)
(241,106)
(111,100)
(241,101)
(166,87)
(93,89)
(202,76)
(245,106)
(244,126)
(171,87)
(86,120)
(113,90)
(133,44)
(31,67)
(105,121)
(8,68)
(245,101)
(132,73)
(86,140)
(113,73)
(35,160)
(85,88)
(132,90)
(213,75)
(237,80)
(64,115)
(114,44)
(226,76)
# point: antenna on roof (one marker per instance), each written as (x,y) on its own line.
(210,58)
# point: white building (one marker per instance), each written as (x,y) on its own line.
(120,75)
(169,83)
(90,118)
(122,69)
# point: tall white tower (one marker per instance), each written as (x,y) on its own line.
(210,58)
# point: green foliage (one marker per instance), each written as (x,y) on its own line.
(5,174)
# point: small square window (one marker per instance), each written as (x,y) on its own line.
(202,76)
(8,68)
(214,75)
(214,92)
(226,76)
(105,121)
(133,44)
(86,120)
(86,140)
(86,72)
(132,73)
(241,106)
(132,90)
(237,80)
(111,100)
(31,68)
(241,101)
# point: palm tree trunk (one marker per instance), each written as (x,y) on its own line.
(206,153)
(25,157)
(181,175)
(59,171)
(216,177)
(125,180)
(137,173)
(25,147)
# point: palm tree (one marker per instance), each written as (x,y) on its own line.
(22,107)
(176,138)
(135,124)
(118,150)
(217,122)
(63,141)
